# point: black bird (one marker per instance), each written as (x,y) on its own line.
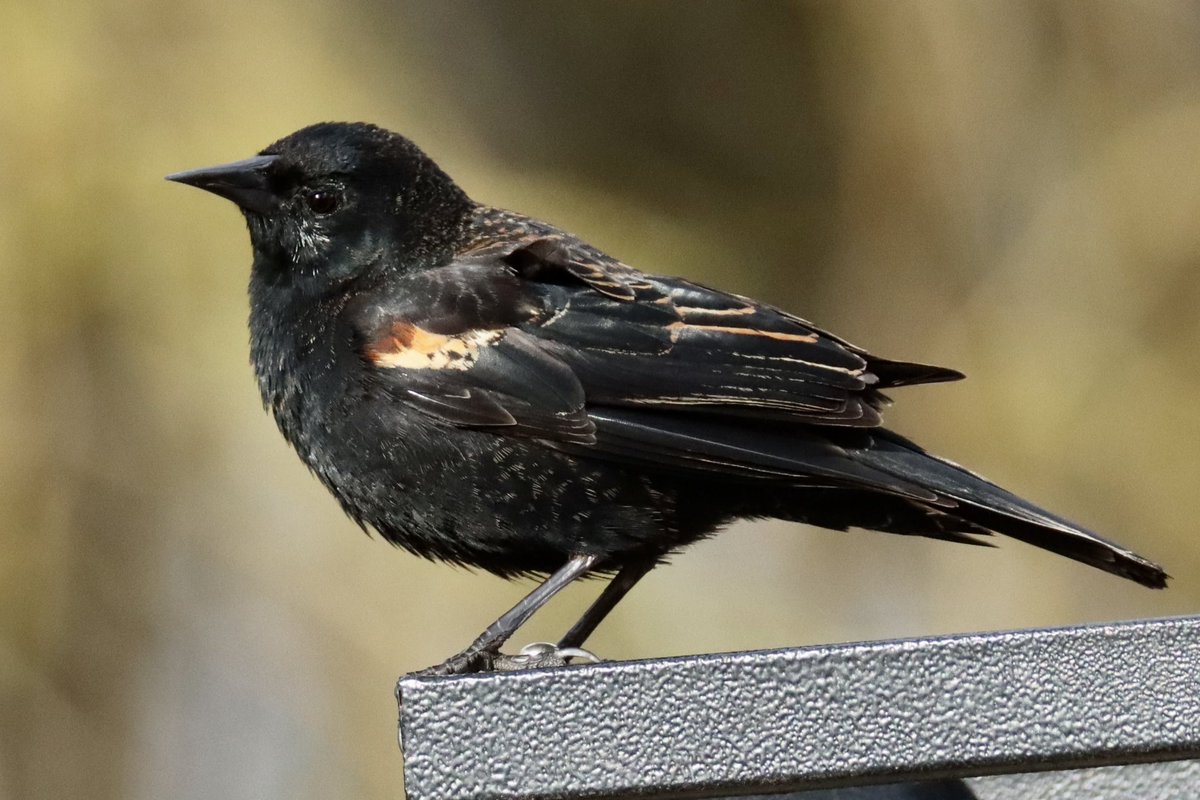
(485,389)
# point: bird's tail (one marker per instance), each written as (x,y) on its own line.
(866,478)
(985,504)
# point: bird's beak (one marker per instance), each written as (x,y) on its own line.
(244,182)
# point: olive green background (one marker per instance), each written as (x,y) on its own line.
(1009,188)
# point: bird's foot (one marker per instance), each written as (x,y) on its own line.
(540,655)
(537,655)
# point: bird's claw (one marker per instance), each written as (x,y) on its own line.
(538,655)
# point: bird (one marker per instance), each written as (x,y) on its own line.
(483,388)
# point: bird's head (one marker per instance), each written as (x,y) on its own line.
(333,201)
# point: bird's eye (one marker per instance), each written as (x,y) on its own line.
(322,201)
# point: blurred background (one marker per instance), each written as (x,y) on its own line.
(1009,188)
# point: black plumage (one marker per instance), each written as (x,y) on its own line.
(485,389)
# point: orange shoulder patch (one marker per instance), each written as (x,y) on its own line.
(408,346)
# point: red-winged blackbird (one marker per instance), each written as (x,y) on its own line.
(485,389)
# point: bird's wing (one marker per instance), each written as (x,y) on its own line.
(526,334)
(639,340)
(539,337)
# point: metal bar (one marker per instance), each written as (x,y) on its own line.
(791,720)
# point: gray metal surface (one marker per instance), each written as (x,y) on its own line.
(746,723)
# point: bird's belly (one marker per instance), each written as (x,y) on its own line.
(502,504)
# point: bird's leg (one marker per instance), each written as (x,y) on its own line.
(617,588)
(481,654)
(545,654)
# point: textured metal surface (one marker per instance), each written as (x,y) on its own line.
(745,723)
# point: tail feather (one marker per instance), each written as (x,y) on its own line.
(907,373)
(851,477)
(984,503)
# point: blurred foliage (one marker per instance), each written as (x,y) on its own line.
(1010,188)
